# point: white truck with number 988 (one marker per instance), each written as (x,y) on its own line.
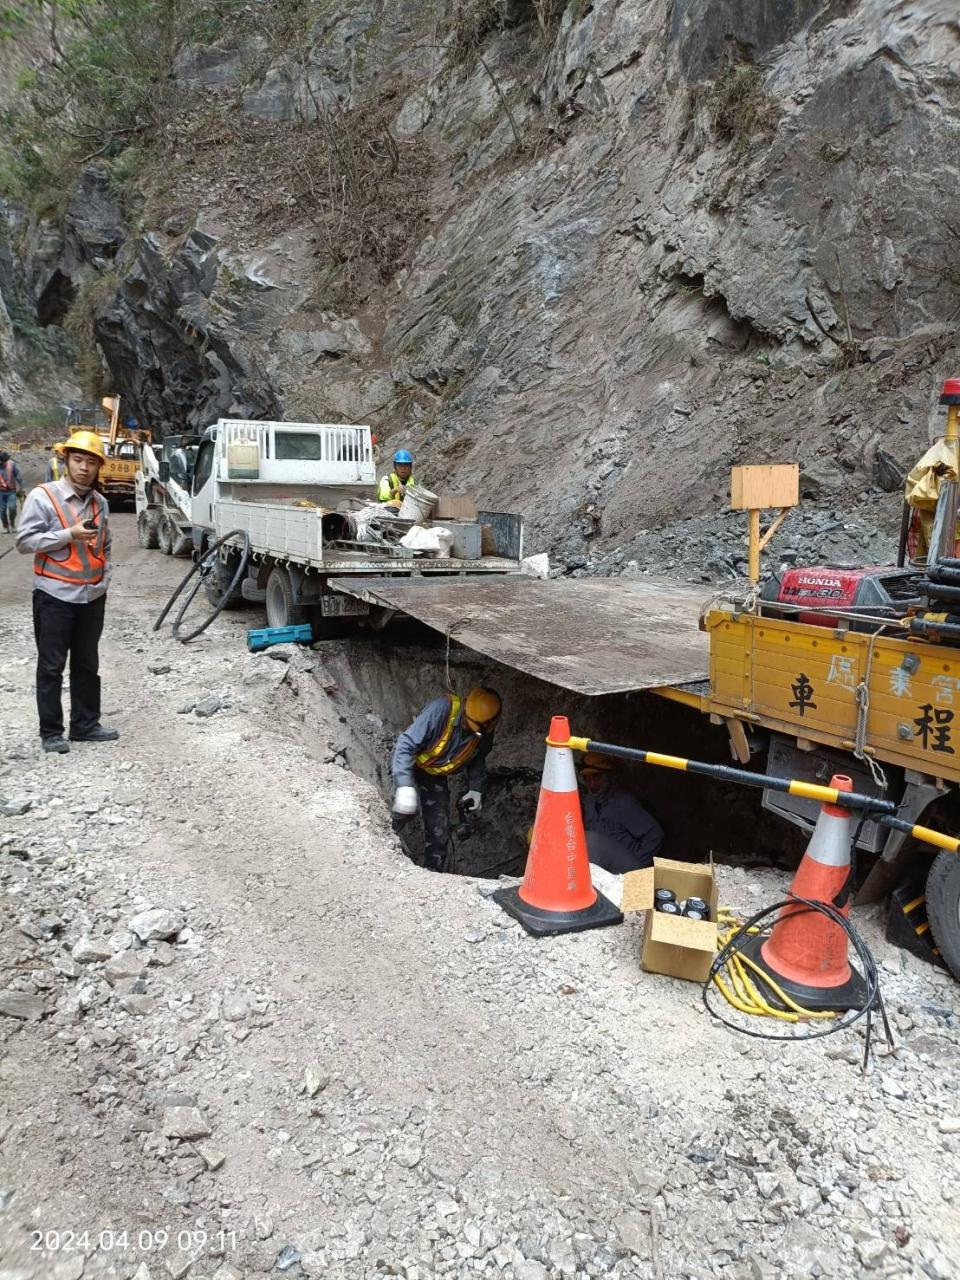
(305,496)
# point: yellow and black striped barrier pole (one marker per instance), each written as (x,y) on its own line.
(877,810)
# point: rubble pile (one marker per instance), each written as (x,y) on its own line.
(241,1035)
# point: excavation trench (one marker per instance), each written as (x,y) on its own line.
(382,682)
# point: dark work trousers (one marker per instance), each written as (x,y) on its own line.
(435,811)
(61,628)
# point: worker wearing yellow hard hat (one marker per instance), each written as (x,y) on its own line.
(450,735)
(64,526)
(621,835)
(56,463)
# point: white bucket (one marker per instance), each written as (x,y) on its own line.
(418,504)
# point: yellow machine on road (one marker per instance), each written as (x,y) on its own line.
(856,669)
(121,443)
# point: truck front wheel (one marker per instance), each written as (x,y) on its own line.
(281,609)
(943,907)
(217,583)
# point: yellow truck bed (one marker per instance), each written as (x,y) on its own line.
(803,680)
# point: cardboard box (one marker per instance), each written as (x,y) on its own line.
(674,945)
(453,508)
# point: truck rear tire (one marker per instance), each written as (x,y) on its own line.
(281,610)
(943,907)
(147,529)
(166,536)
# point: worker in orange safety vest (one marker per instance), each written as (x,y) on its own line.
(64,526)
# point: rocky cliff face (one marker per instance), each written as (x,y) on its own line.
(628,244)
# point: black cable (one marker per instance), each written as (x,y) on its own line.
(873,999)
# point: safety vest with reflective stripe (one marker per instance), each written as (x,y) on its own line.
(428,757)
(86,563)
(392,487)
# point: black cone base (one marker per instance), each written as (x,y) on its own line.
(849,995)
(541,923)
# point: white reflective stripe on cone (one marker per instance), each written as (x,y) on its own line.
(830,842)
(559,773)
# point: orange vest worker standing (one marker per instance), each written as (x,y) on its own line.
(64,527)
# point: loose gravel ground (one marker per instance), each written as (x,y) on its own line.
(241,1035)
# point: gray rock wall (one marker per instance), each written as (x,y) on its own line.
(594,324)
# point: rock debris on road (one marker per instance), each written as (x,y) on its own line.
(240,1034)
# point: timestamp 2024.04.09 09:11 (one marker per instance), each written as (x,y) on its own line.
(143,1240)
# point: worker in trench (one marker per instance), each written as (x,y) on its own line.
(392,487)
(621,835)
(449,736)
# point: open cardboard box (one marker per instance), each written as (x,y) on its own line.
(674,945)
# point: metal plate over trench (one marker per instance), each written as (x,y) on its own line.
(589,635)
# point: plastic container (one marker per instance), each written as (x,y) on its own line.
(467,542)
(243,460)
(418,504)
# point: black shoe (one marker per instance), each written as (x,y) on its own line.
(96,734)
(59,744)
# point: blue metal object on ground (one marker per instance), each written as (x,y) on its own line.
(263,637)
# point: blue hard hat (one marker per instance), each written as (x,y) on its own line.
(403,455)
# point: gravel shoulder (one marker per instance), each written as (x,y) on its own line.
(248,1036)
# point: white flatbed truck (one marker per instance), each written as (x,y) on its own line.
(293,488)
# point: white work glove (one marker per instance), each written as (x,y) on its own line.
(472,801)
(406,800)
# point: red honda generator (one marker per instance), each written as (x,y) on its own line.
(817,592)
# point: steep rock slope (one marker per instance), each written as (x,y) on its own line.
(613,248)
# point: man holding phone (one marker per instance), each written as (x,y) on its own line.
(64,527)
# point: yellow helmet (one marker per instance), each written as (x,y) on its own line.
(86,442)
(594,762)
(58,447)
(482,708)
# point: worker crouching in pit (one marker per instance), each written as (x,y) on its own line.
(621,835)
(449,735)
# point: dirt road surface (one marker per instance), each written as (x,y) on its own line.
(241,1035)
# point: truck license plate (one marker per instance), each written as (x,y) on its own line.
(340,606)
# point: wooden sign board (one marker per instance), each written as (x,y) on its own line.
(759,488)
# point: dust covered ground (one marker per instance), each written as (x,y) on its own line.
(240,1034)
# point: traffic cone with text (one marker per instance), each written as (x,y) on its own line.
(557,894)
(806,952)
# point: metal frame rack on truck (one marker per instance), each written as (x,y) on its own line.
(303,495)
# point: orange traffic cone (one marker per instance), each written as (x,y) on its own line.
(806,952)
(557,894)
